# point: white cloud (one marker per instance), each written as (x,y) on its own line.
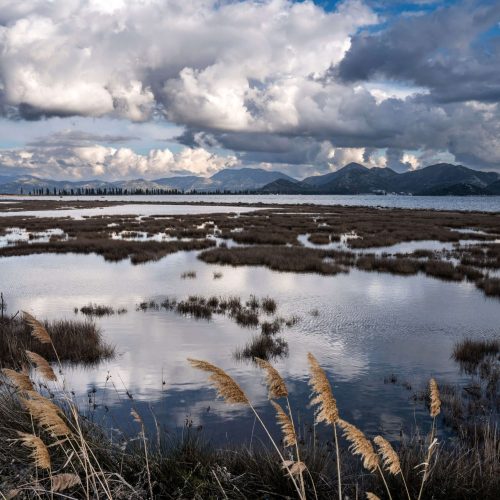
(245,72)
(85,162)
(218,64)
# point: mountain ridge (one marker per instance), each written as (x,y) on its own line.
(434,180)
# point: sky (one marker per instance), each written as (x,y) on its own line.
(122,89)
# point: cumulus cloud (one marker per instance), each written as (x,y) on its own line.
(105,162)
(275,82)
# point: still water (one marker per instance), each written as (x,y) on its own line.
(361,326)
(461,203)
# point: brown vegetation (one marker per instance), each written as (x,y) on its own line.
(75,341)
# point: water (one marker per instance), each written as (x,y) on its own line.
(462,203)
(369,326)
(130,209)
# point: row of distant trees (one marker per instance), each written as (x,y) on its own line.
(120,191)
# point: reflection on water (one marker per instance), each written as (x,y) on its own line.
(369,326)
(460,203)
(131,209)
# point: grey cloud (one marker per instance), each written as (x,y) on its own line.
(439,50)
(75,138)
(249,77)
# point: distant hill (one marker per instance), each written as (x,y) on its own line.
(233,180)
(285,186)
(435,180)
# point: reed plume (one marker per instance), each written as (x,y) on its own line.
(38,331)
(286,425)
(390,457)
(137,418)
(43,365)
(19,379)
(327,406)
(295,468)
(435,399)
(46,414)
(360,445)
(39,452)
(275,383)
(64,481)
(226,387)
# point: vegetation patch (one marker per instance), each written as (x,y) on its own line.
(75,341)
(97,310)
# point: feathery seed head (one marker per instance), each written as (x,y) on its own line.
(389,455)
(46,414)
(39,452)
(360,445)
(289,436)
(435,399)
(19,379)
(226,387)
(295,468)
(64,481)
(275,382)
(38,331)
(42,364)
(327,405)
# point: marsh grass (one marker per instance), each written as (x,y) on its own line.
(471,352)
(75,341)
(98,310)
(200,307)
(263,346)
(490,286)
(48,447)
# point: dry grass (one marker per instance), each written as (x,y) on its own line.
(294,259)
(75,341)
(64,452)
(263,346)
(473,351)
(97,310)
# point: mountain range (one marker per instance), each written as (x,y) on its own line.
(434,180)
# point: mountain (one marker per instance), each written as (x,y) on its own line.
(435,180)
(182,183)
(442,174)
(284,186)
(241,179)
(233,180)
(494,187)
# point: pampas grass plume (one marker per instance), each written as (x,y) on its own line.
(39,332)
(43,365)
(226,387)
(389,455)
(275,382)
(289,436)
(327,405)
(39,452)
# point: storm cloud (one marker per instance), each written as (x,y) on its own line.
(274,83)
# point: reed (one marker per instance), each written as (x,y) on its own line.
(43,365)
(327,410)
(275,383)
(39,452)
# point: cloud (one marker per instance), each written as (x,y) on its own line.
(91,161)
(442,51)
(77,138)
(273,82)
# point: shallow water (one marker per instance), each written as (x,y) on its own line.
(130,209)
(461,203)
(369,326)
